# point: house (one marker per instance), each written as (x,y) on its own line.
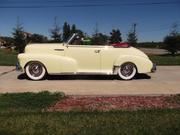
(27,34)
(2,43)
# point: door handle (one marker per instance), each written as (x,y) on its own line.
(59,49)
(97,51)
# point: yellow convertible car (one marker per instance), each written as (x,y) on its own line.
(38,60)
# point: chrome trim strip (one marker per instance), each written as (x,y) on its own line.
(81,73)
(59,49)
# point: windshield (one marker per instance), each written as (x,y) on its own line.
(71,38)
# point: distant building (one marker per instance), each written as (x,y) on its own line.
(2,43)
(27,34)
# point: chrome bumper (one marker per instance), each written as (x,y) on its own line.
(153,68)
(18,67)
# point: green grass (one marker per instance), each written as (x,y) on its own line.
(166,59)
(28,101)
(7,58)
(20,114)
(152,122)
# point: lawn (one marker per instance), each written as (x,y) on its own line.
(8,58)
(21,114)
(166,59)
(28,101)
(151,122)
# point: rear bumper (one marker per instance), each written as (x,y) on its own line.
(154,68)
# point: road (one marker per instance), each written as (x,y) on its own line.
(165,81)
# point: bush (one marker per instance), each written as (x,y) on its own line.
(172,43)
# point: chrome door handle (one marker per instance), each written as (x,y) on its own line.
(59,49)
(97,51)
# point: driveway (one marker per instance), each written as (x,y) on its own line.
(165,81)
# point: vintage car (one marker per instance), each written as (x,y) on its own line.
(38,60)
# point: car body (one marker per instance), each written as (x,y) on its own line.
(65,58)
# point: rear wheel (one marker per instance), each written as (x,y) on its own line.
(35,71)
(127,71)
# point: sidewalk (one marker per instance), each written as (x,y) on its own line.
(6,69)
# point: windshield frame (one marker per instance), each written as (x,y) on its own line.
(71,38)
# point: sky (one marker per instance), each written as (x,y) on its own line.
(154,18)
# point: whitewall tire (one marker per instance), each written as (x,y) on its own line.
(35,71)
(127,71)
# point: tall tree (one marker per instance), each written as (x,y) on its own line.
(132,36)
(56,32)
(99,39)
(174,30)
(66,31)
(115,36)
(172,40)
(37,38)
(19,37)
(73,29)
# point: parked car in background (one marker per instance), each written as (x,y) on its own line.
(38,60)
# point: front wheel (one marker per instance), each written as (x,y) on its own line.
(127,71)
(35,71)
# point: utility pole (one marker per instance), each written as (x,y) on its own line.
(96,29)
(55,21)
(134,28)
(18,25)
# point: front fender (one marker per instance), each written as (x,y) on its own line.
(143,64)
(53,63)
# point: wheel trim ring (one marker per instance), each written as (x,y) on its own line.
(127,77)
(127,70)
(33,77)
(35,69)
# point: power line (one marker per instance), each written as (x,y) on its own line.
(96,5)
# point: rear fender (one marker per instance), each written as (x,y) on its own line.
(143,65)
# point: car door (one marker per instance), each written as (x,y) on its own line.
(88,58)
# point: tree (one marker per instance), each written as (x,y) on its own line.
(66,31)
(56,32)
(19,37)
(172,40)
(73,29)
(174,30)
(99,39)
(37,38)
(172,44)
(115,36)
(132,37)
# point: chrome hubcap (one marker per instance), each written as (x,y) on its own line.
(35,69)
(127,69)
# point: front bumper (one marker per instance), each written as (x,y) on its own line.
(154,68)
(18,67)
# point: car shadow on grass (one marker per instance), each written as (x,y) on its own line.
(85,77)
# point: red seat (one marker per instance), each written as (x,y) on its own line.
(118,45)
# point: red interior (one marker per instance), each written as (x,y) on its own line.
(120,45)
